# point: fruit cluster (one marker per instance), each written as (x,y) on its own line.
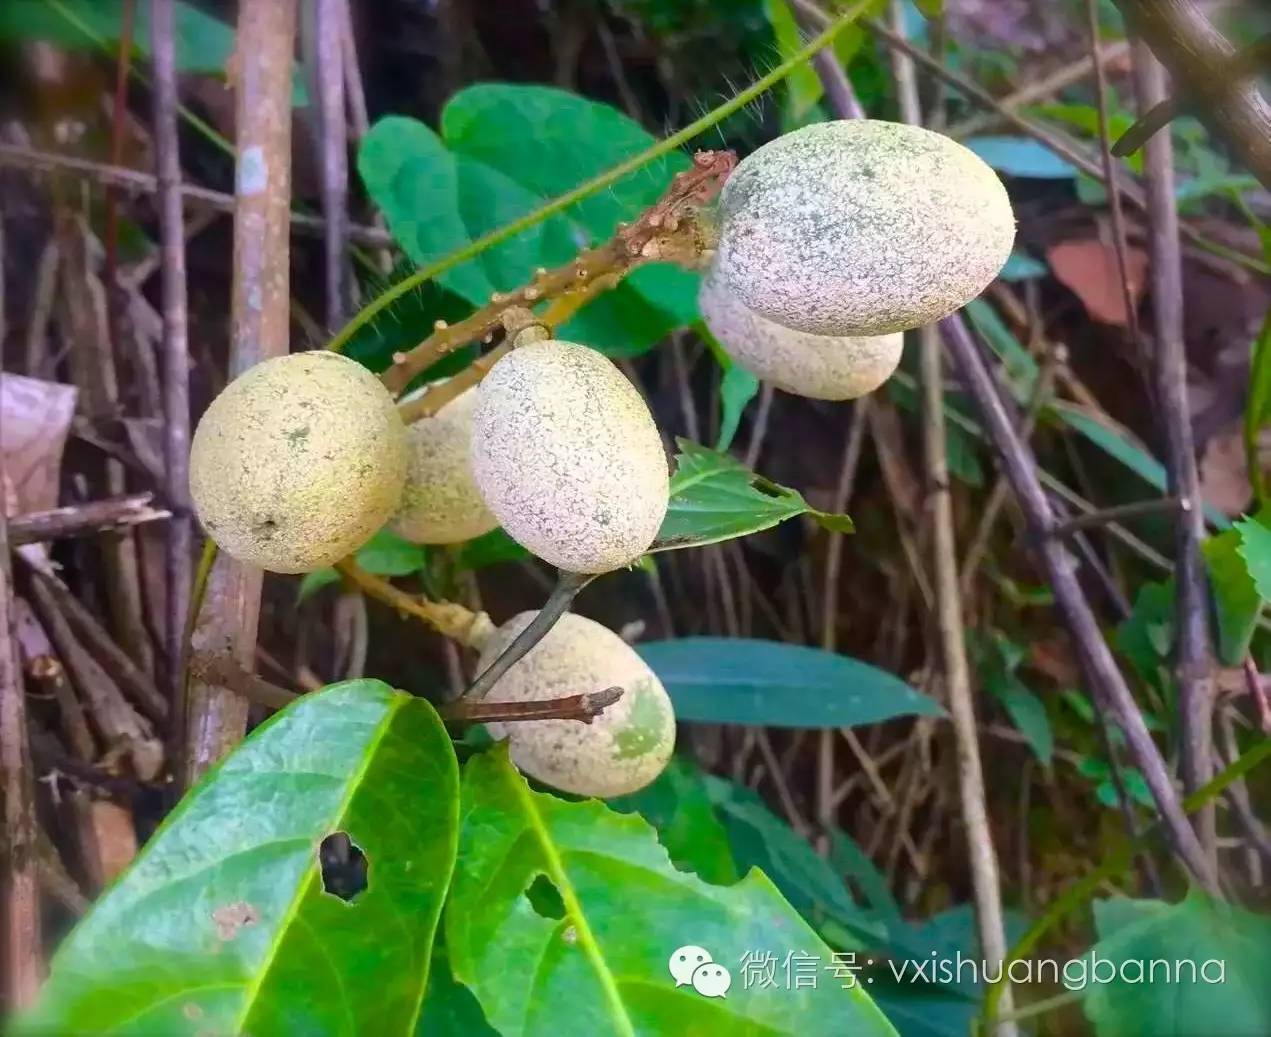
(832,241)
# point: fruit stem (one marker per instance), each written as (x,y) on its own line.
(567,587)
(584,708)
(446,617)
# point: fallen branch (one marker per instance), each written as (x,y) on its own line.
(76,520)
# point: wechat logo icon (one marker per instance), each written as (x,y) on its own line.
(693,966)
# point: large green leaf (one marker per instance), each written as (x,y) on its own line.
(715,497)
(223,925)
(503,151)
(723,680)
(1176,970)
(565,916)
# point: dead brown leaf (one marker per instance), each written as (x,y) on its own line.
(1089,269)
(36,416)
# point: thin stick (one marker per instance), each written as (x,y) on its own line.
(1102,675)
(76,520)
(21,901)
(176,356)
(328,72)
(1195,678)
(136,181)
(1135,509)
(949,615)
(260,326)
(584,708)
(567,587)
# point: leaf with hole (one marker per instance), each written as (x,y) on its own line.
(223,925)
(715,497)
(568,914)
(728,680)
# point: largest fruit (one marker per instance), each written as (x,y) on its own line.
(567,457)
(861,227)
(298,462)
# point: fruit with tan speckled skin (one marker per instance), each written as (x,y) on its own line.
(861,227)
(821,367)
(298,462)
(621,750)
(441,503)
(567,457)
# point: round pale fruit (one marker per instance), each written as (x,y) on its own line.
(441,503)
(567,457)
(861,227)
(298,462)
(822,367)
(621,750)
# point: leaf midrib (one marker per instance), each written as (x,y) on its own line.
(252,991)
(573,908)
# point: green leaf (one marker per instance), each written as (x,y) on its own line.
(1236,599)
(449,1007)
(593,958)
(1258,405)
(764,841)
(222,924)
(313,582)
(489,549)
(803,86)
(1174,970)
(1022,267)
(1022,157)
(503,151)
(1027,713)
(203,43)
(678,806)
(1019,362)
(714,497)
(1255,549)
(724,680)
(737,388)
(387,554)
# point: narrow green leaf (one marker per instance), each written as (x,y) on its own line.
(222,924)
(737,388)
(568,915)
(1020,266)
(803,85)
(725,680)
(1027,713)
(714,497)
(1021,157)
(1258,405)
